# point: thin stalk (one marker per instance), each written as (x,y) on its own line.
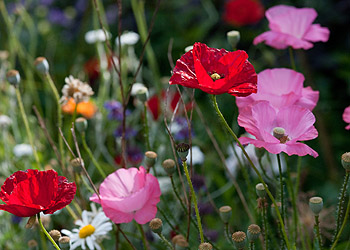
(194,198)
(298,175)
(165,241)
(46,233)
(266,236)
(342,227)
(294,205)
(145,127)
(213,97)
(281,185)
(143,236)
(251,245)
(177,194)
(341,202)
(291,57)
(227,234)
(317,227)
(91,155)
(26,125)
(43,240)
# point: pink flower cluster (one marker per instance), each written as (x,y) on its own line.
(281,102)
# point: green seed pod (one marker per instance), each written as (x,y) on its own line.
(55,234)
(253,232)
(316,205)
(233,38)
(169,166)
(182,150)
(64,242)
(81,124)
(156,225)
(205,246)
(150,158)
(345,161)
(239,238)
(41,65)
(13,77)
(260,190)
(225,213)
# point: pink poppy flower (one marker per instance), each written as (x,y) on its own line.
(129,194)
(346,117)
(296,121)
(293,27)
(281,87)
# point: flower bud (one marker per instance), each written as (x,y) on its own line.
(13,77)
(150,158)
(233,38)
(182,150)
(225,213)
(55,234)
(169,166)
(32,243)
(41,65)
(142,94)
(156,225)
(205,246)
(81,124)
(316,205)
(278,132)
(64,241)
(31,221)
(76,163)
(180,242)
(239,238)
(253,232)
(260,190)
(345,161)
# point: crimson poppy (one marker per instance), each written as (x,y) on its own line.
(243,12)
(27,193)
(215,71)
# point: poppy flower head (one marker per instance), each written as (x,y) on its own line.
(27,193)
(346,117)
(215,71)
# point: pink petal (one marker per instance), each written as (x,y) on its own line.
(308,99)
(117,216)
(300,149)
(316,33)
(346,115)
(146,214)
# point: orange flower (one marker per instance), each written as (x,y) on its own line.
(86,109)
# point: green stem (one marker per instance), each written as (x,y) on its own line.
(343,226)
(213,97)
(26,124)
(341,201)
(294,205)
(227,234)
(145,127)
(265,228)
(143,236)
(92,157)
(177,194)
(46,233)
(166,242)
(194,198)
(298,175)
(317,226)
(291,57)
(251,245)
(281,185)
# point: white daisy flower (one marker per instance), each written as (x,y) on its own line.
(92,229)
(5,121)
(94,36)
(23,149)
(128,38)
(76,89)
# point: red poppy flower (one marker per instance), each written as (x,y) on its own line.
(215,71)
(27,193)
(243,12)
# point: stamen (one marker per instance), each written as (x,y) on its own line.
(215,76)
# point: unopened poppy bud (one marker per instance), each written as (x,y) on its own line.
(169,166)
(316,205)
(13,77)
(31,221)
(278,132)
(55,234)
(260,190)
(76,162)
(253,232)
(81,124)
(345,161)
(182,149)
(239,238)
(41,65)
(142,94)
(32,243)
(150,158)
(205,246)
(225,213)
(273,210)
(156,225)
(233,38)
(64,241)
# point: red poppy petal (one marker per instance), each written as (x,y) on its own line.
(21,211)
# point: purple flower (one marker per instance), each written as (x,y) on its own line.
(115,109)
(180,129)
(129,132)
(57,16)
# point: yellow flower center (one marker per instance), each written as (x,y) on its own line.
(86,231)
(215,76)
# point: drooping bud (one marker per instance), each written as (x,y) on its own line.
(169,166)
(41,65)
(239,238)
(182,149)
(260,190)
(205,246)
(225,213)
(31,221)
(150,158)
(81,124)
(233,38)
(345,161)
(156,225)
(13,77)
(316,205)
(55,234)
(253,232)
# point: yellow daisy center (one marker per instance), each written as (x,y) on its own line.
(86,231)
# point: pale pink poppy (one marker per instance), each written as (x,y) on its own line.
(281,87)
(129,194)
(290,26)
(346,117)
(295,120)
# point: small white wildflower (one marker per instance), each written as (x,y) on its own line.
(94,36)
(76,89)
(197,156)
(138,88)
(91,230)
(23,149)
(128,38)
(5,121)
